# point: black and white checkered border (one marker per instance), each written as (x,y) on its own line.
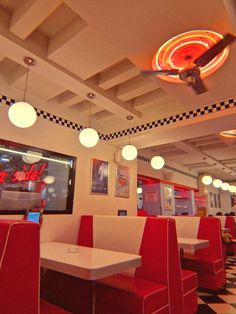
(148,160)
(143,158)
(223,105)
(49,116)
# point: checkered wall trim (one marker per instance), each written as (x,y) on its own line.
(223,105)
(148,160)
(49,116)
(143,158)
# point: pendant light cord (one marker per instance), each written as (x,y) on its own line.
(129,132)
(26,83)
(89,119)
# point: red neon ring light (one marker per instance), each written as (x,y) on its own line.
(180,51)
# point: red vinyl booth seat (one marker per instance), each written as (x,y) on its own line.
(19,270)
(208,262)
(204,263)
(132,296)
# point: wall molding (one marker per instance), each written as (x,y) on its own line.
(191,114)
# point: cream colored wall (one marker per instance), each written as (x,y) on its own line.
(47,135)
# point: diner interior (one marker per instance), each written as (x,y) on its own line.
(117,157)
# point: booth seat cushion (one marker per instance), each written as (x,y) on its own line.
(202,263)
(132,292)
(190,280)
(49,308)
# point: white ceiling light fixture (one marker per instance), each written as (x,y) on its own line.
(217,183)
(31,158)
(129,152)
(22,114)
(157,162)
(89,137)
(139,190)
(231,188)
(225,186)
(206,179)
(49,179)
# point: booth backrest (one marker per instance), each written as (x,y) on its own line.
(152,238)
(228,222)
(19,267)
(142,212)
(208,228)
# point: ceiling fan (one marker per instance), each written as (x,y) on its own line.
(192,75)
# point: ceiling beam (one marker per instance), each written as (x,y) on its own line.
(117,74)
(14,48)
(205,157)
(30,14)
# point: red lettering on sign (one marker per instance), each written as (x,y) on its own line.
(3,176)
(30,175)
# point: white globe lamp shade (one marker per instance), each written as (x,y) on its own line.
(129,152)
(22,114)
(206,180)
(139,190)
(49,179)
(157,162)
(31,157)
(225,186)
(231,188)
(217,183)
(51,189)
(88,137)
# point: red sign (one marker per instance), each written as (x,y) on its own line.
(25,174)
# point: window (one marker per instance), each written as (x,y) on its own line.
(31,177)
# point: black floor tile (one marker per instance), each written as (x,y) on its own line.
(205,309)
(211,299)
(230,285)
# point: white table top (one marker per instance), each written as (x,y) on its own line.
(84,262)
(192,244)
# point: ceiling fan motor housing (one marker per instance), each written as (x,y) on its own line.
(190,75)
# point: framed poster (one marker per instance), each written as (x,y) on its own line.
(168,198)
(99,181)
(122,181)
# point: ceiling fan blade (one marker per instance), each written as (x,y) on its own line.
(210,54)
(199,87)
(160,72)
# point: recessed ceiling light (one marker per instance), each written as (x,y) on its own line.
(229,133)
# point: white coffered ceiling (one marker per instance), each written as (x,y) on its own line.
(83,46)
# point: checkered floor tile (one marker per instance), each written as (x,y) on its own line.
(224,301)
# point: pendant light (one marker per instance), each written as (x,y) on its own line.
(22,114)
(129,152)
(225,186)
(157,162)
(206,179)
(217,183)
(89,137)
